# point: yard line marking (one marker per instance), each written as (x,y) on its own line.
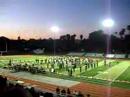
(114,72)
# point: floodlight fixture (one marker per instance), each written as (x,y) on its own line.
(108,23)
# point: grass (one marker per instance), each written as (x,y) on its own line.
(95,71)
(81,79)
(93,81)
(114,72)
(119,71)
(125,76)
(121,85)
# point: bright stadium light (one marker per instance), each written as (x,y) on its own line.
(108,23)
(55,29)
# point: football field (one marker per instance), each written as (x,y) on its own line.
(117,74)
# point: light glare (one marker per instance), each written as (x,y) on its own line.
(108,23)
(55,29)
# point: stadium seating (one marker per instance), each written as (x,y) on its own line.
(38,51)
(99,55)
(94,55)
(110,55)
(90,54)
(119,56)
(129,56)
(75,54)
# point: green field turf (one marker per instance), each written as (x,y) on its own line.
(125,76)
(119,70)
(114,72)
(96,71)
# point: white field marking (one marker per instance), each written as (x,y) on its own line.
(117,70)
(114,72)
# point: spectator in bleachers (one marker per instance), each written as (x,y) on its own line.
(63,92)
(48,95)
(80,94)
(75,93)
(68,91)
(58,90)
(17,92)
(88,95)
(8,89)
(3,82)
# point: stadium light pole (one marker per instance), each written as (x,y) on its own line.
(54,29)
(108,23)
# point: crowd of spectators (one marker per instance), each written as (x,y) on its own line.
(11,89)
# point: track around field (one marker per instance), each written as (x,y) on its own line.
(86,88)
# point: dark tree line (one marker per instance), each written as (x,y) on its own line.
(96,42)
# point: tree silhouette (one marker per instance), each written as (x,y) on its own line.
(128,28)
(81,37)
(122,33)
(96,42)
(116,33)
(67,36)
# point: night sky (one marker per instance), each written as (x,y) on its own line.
(33,18)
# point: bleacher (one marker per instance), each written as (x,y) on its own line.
(99,55)
(94,55)
(76,54)
(90,54)
(110,55)
(129,56)
(120,56)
